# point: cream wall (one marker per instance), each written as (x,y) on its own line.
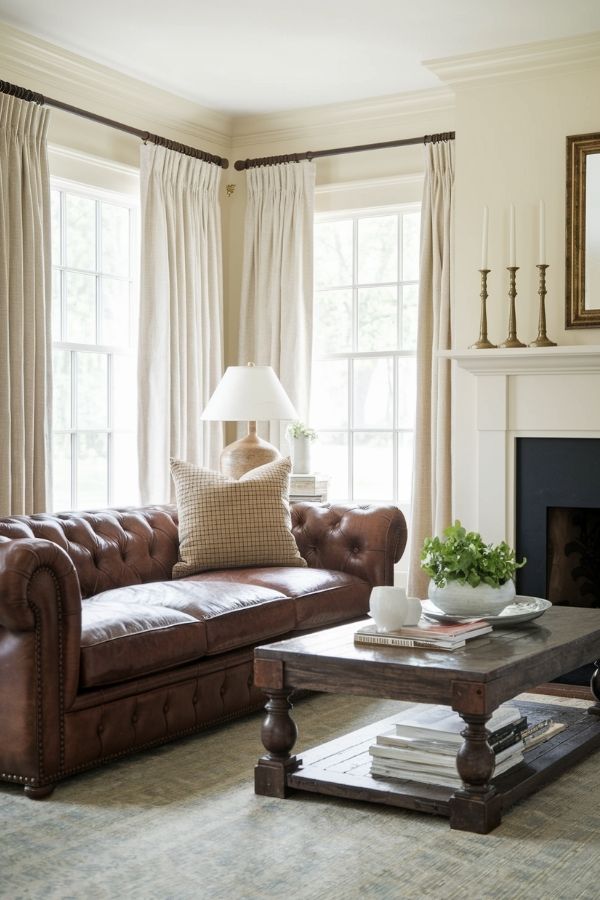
(90,152)
(511,109)
(511,148)
(370,179)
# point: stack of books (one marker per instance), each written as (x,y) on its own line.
(308,487)
(426,635)
(423,745)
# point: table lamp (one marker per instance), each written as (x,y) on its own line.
(248,393)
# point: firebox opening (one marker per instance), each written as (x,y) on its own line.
(573,556)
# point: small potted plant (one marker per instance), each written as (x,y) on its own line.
(468,576)
(300,438)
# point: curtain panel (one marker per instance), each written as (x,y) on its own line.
(277,278)
(25,313)
(432,473)
(180,355)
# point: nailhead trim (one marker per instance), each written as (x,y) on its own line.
(41,782)
(39,692)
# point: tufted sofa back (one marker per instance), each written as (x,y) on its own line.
(109,548)
(118,547)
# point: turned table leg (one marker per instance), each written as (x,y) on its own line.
(595,686)
(477,807)
(278,734)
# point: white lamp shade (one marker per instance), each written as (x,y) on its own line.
(249,393)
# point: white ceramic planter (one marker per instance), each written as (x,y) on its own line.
(463,600)
(301,455)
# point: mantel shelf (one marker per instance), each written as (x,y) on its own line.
(528,360)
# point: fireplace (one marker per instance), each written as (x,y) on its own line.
(526,442)
(558,522)
(557,508)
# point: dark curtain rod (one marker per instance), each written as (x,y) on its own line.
(31,96)
(241,164)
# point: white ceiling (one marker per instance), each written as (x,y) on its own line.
(246,57)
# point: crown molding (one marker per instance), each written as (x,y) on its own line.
(72,155)
(390,182)
(58,73)
(515,62)
(374,112)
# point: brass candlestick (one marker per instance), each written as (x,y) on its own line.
(512,340)
(483,343)
(542,339)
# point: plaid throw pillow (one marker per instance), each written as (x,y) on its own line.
(226,524)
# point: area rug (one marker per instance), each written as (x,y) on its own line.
(183,822)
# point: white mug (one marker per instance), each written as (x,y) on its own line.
(391,608)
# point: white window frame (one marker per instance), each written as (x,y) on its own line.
(356,214)
(131,202)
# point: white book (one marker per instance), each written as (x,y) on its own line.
(441,722)
(308,484)
(389,769)
(418,758)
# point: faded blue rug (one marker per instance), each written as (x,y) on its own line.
(183,822)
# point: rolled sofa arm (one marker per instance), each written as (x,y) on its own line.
(364,541)
(39,593)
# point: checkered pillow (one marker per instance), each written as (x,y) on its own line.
(226,524)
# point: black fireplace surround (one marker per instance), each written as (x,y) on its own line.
(551,472)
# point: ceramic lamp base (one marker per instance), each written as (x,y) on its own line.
(246,454)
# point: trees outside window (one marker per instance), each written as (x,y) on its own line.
(94,348)
(364,367)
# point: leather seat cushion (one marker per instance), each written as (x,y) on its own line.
(142,628)
(321,596)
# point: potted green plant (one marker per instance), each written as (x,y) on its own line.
(468,576)
(300,438)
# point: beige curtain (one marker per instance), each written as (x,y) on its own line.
(432,494)
(277,278)
(25,315)
(180,357)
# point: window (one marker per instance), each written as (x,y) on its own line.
(94,352)
(363,400)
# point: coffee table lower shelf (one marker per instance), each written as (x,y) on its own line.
(341,768)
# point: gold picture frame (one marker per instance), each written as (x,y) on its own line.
(582,287)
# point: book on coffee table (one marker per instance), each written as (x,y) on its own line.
(437,722)
(423,744)
(445,776)
(499,739)
(425,635)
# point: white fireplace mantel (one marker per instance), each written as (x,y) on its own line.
(528,392)
(527,360)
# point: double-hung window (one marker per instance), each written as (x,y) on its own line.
(365,327)
(94,347)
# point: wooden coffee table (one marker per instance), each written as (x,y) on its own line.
(474,681)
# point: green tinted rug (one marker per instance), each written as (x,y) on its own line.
(183,822)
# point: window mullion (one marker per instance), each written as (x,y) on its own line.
(399,289)
(74,423)
(351,368)
(395,383)
(108,352)
(397,386)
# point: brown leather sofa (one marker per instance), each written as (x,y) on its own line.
(103,654)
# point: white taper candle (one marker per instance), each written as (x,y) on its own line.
(512,241)
(542,253)
(484,238)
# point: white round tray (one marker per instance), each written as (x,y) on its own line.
(522,609)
